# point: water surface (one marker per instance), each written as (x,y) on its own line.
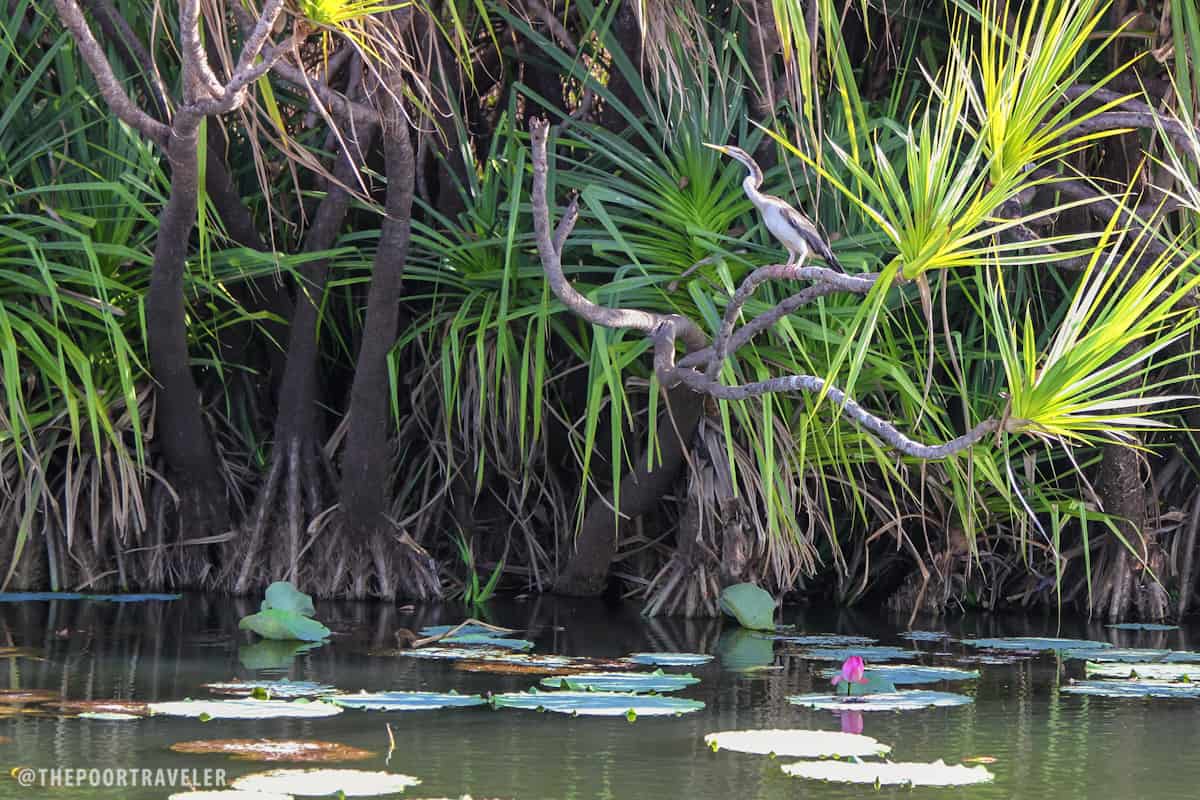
(1047,744)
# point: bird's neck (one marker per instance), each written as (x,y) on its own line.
(751,184)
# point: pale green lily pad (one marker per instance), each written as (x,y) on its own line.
(1138,688)
(281,625)
(280,690)
(228,794)
(868,653)
(752,606)
(875,684)
(635,682)
(906,675)
(407,701)
(1135,656)
(1134,670)
(819,639)
(1142,626)
(244,709)
(797,743)
(469,629)
(598,704)
(1035,643)
(670,659)
(486,640)
(323,782)
(893,701)
(282,596)
(925,636)
(890,774)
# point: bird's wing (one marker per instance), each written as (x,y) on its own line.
(803,226)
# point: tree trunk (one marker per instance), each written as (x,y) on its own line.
(179,425)
(641,491)
(367,458)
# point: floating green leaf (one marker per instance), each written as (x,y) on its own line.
(283,625)
(1134,656)
(244,709)
(752,606)
(1138,688)
(486,640)
(890,774)
(282,596)
(469,629)
(635,682)
(925,636)
(322,782)
(285,690)
(406,701)
(797,743)
(869,653)
(670,659)
(1142,669)
(597,704)
(1142,626)
(894,701)
(905,674)
(820,639)
(1035,643)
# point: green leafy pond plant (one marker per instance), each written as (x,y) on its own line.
(286,614)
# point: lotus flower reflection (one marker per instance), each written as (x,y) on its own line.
(851,672)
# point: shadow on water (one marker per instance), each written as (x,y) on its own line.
(1046,744)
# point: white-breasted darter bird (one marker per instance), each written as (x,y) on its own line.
(795,232)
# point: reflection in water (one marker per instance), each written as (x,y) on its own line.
(1045,743)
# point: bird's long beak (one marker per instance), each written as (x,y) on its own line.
(720,148)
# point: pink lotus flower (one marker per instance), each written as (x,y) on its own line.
(851,672)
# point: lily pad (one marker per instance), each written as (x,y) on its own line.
(1138,688)
(868,653)
(129,708)
(228,794)
(752,606)
(132,598)
(269,654)
(1035,643)
(1134,670)
(598,704)
(670,659)
(907,675)
(406,701)
(904,700)
(282,625)
(742,650)
(1135,656)
(282,690)
(466,630)
(274,750)
(109,716)
(797,743)
(283,596)
(890,774)
(244,709)
(35,597)
(635,682)
(1142,626)
(322,782)
(439,652)
(486,640)
(820,639)
(925,636)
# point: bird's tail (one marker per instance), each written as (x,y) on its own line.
(824,252)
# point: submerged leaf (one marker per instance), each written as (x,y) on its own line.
(283,625)
(597,704)
(321,782)
(406,701)
(890,774)
(903,700)
(274,750)
(620,682)
(797,743)
(752,606)
(742,650)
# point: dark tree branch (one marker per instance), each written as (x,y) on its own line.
(665,329)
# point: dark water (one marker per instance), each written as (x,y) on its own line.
(1046,744)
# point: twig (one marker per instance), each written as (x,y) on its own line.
(471,621)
